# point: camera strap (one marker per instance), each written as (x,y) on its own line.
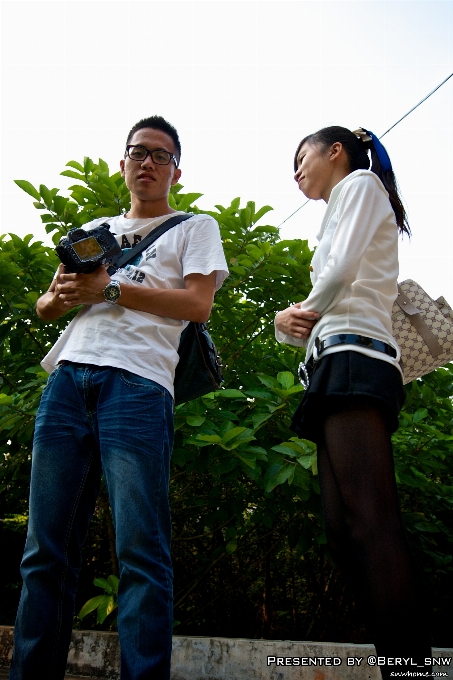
(144,243)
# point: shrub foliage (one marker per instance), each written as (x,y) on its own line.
(248,539)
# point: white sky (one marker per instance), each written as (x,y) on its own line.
(243,82)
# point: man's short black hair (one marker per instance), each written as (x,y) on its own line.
(157,123)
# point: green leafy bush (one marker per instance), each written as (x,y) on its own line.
(249,546)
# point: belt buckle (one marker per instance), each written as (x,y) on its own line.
(303,375)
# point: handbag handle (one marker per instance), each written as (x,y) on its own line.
(416,319)
(149,238)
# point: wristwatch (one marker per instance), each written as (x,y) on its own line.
(112,292)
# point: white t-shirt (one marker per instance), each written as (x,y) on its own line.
(355,268)
(140,342)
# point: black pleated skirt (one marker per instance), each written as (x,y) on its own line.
(348,374)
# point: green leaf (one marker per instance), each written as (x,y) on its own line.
(91,605)
(233,432)
(102,583)
(242,438)
(59,204)
(301,478)
(258,394)
(262,211)
(314,467)
(74,164)
(231,546)
(259,418)
(36,369)
(249,459)
(258,452)
(426,527)
(230,394)
(187,201)
(271,477)
(28,188)
(307,461)
(304,444)
(295,389)
(74,175)
(211,438)
(104,167)
(285,450)
(46,194)
(226,426)
(210,395)
(419,415)
(114,582)
(268,381)
(266,230)
(88,165)
(106,607)
(195,421)
(283,475)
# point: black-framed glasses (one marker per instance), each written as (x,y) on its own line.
(137,152)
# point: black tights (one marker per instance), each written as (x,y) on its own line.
(365,533)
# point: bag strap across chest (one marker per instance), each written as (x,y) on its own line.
(147,241)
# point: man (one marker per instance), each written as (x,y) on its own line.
(108,406)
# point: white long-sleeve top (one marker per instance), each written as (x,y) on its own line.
(355,267)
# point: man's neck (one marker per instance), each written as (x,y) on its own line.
(148,209)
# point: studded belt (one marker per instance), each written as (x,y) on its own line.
(353,339)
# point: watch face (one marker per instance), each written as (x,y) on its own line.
(112,292)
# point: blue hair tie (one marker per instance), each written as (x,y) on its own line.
(382,154)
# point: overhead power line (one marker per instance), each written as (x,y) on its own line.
(383,135)
(307,201)
(417,105)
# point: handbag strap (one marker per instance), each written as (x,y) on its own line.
(149,238)
(416,319)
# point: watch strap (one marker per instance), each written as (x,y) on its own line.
(117,286)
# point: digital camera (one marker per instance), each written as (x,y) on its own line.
(84,251)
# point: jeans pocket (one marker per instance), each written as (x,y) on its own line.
(134,380)
(52,376)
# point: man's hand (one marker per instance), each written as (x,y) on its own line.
(296,322)
(70,290)
(82,289)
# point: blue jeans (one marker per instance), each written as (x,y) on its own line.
(94,418)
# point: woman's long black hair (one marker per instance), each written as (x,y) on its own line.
(356,151)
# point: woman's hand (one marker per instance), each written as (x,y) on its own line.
(296,322)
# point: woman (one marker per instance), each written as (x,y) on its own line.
(350,408)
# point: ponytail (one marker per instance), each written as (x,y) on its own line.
(356,145)
(382,167)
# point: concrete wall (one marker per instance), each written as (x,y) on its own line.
(96,654)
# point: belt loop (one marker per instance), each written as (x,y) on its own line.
(316,349)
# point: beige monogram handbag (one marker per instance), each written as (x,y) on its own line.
(423,329)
